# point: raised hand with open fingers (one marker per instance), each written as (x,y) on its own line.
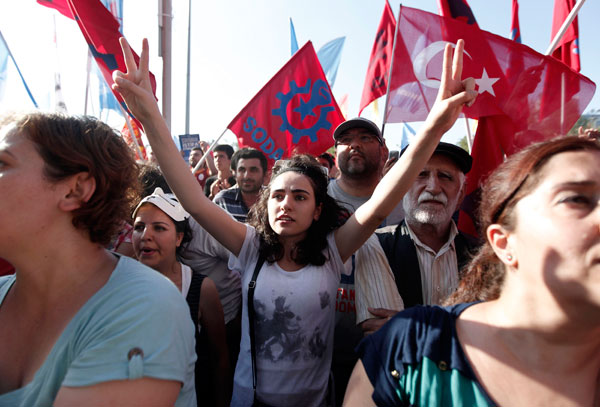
(454,92)
(134,85)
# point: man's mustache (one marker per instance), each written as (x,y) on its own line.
(428,196)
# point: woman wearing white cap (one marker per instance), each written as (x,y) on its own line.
(160,232)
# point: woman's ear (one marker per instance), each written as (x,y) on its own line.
(318,210)
(499,239)
(79,189)
(179,239)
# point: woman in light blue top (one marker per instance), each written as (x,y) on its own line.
(81,325)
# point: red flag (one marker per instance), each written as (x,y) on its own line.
(488,58)
(61,5)
(510,78)
(6,268)
(101,31)
(381,55)
(457,9)
(138,139)
(568,47)
(295,112)
(515,29)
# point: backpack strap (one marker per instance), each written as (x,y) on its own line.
(193,297)
(251,317)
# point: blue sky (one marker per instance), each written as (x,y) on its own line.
(237,46)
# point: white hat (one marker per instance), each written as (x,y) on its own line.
(167,203)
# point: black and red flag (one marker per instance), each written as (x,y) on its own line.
(378,70)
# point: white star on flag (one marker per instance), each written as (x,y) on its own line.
(485,83)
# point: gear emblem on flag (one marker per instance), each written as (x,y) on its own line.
(319,96)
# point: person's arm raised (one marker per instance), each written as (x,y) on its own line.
(453,94)
(135,88)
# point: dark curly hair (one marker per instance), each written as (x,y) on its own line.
(310,249)
(150,178)
(70,145)
(516,178)
(185,228)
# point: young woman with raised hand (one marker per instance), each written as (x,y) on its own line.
(160,233)
(81,325)
(535,338)
(295,227)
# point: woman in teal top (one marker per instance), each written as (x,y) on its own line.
(535,337)
(81,326)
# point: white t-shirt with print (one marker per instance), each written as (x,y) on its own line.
(295,316)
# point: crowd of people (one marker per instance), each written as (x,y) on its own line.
(322,281)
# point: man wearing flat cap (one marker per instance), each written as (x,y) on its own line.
(426,251)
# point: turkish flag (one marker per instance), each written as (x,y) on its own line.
(101,31)
(381,55)
(511,80)
(295,112)
(489,59)
(568,47)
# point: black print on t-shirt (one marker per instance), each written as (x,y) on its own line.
(281,337)
(325,299)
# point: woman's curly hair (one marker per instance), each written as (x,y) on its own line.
(311,249)
(70,145)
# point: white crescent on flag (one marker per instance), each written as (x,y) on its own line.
(422,59)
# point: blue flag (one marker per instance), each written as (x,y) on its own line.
(5,54)
(330,56)
(107,98)
(294,41)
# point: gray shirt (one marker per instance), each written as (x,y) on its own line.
(204,254)
(352,203)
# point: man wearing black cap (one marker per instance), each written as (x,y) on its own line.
(360,154)
(426,251)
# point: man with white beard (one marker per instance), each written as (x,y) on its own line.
(426,251)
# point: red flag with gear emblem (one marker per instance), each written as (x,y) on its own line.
(381,57)
(295,112)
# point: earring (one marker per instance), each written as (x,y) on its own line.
(509,257)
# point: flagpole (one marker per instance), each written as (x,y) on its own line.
(187,82)
(469,136)
(212,146)
(387,91)
(132,133)
(165,24)
(553,45)
(18,70)
(87,81)
(563,28)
